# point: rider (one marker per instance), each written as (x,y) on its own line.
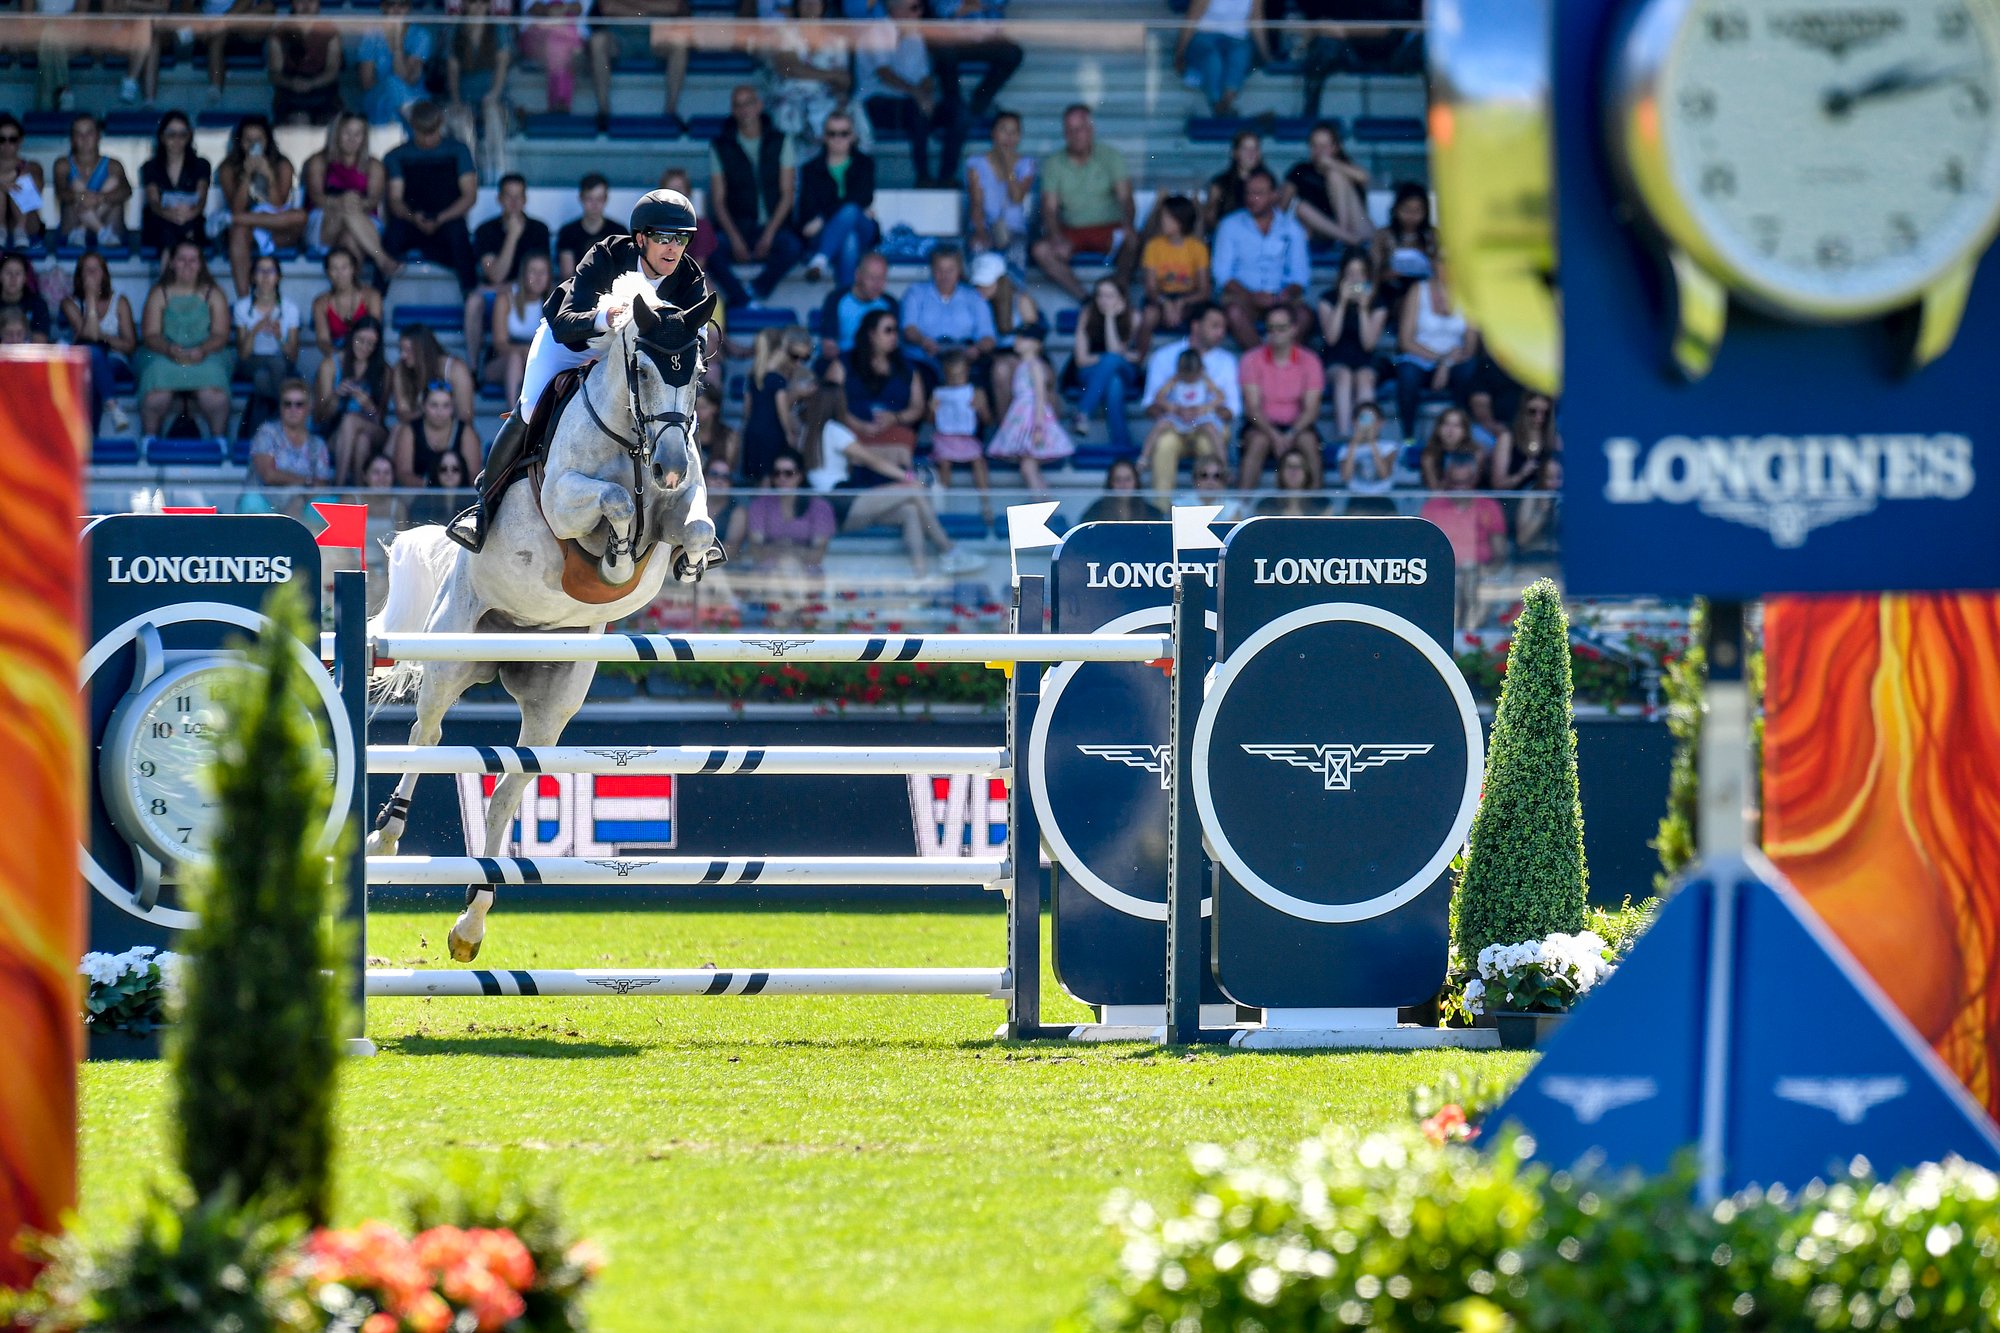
(662,225)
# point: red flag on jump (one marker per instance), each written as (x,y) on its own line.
(346,525)
(187,509)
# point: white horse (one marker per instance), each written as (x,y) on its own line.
(621,502)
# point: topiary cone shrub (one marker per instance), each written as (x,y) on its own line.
(1524,875)
(259,1033)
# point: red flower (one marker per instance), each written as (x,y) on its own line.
(903,678)
(1449,1125)
(874,671)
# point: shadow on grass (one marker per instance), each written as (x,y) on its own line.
(508,1045)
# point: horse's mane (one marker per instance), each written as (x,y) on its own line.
(627,290)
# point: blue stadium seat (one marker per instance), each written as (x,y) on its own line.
(638,65)
(705,128)
(964,527)
(647,127)
(239,451)
(219,119)
(1224,129)
(114,451)
(46,122)
(720,62)
(162,452)
(1066,320)
(131,120)
(556,125)
(1387,129)
(409,315)
(770,317)
(1095,457)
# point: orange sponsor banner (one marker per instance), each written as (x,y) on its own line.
(44,439)
(1882,799)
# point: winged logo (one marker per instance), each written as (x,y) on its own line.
(1592,1098)
(622,985)
(620,868)
(1337,763)
(779,647)
(1153,758)
(1850,1099)
(622,757)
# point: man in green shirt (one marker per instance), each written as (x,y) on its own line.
(1086,205)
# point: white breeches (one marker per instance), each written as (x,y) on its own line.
(547,358)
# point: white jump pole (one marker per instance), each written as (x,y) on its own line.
(886,649)
(611,982)
(780,760)
(899,871)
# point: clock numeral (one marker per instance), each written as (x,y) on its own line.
(1697,103)
(147,768)
(1833,252)
(1954,24)
(1951,176)
(1902,232)
(1729,25)
(1718,181)
(184,832)
(161,730)
(158,806)
(183,703)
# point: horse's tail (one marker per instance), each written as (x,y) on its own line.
(420,560)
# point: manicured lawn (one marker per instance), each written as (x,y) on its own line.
(779,1164)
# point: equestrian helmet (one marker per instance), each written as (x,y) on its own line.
(663,210)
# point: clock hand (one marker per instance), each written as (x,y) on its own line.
(1891,82)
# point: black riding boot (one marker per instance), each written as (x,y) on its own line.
(469,528)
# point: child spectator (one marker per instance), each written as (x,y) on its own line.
(1190,407)
(14,330)
(100,319)
(91,188)
(17,292)
(1474,525)
(1368,466)
(1174,266)
(959,416)
(1031,431)
(267,342)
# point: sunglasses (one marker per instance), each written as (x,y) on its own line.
(437,386)
(668,237)
(840,134)
(718,474)
(1208,474)
(10,138)
(299,403)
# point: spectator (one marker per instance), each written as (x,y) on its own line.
(446,486)
(634,39)
(237,27)
(267,342)
(895,85)
(1294,498)
(1174,266)
(728,510)
(478,55)
(285,451)
(421,362)
(390,60)
(1211,487)
(771,395)
(997,185)
(841,315)
(1351,323)
(806,74)
(1030,431)
(20,188)
(553,38)
(386,511)
(1282,386)
(1473,524)
(517,313)
(56,39)
(345,187)
(91,188)
(960,417)
(99,319)
(575,237)
(1328,192)
(18,292)
(350,398)
(1111,341)
(429,434)
(836,190)
(501,244)
(1215,49)
(432,186)
(175,180)
(971,32)
(1207,327)
(704,243)
(1526,449)
(786,525)
(1368,466)
(14,330)
(944,313)
(1434,345)
(302,59)
(752,187)
(1086,205)
(1325,50)
(1224,194)
(1488,387)
(1014,314)
(1121,501)
(1402,253)
(1189,410)
(1451,433)
(186,351)
(868,449)
(344,303)
(1262,261)
(1535,526)
(713,436)
(259,186)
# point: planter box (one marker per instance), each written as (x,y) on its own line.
(115,1045)
(1522,1031)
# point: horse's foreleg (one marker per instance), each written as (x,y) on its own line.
(696,539)
(576,505)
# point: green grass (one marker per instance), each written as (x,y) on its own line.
(778,1164)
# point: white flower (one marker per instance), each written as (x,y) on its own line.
(1475,996)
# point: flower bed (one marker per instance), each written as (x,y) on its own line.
(128,991)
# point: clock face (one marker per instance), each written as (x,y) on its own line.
(172,740)
(1833,160)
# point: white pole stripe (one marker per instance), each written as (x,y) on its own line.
(904,871)
(890,650)
(696,759)
(614,982)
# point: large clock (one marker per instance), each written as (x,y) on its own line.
(1824,164)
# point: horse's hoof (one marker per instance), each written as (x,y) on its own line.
(380,844)
(686,570)
(462,949)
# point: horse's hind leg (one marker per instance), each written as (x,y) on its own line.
(550,693)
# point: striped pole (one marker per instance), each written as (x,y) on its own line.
(720,759)
(991,982)
(974,648)
(901,871)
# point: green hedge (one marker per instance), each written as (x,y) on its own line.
(893,684)
(1390,1232)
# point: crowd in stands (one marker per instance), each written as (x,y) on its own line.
(1199,339)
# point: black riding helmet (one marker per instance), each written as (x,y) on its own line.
(663,210)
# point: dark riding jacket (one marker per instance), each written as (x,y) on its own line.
(571,309)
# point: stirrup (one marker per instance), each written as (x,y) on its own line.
(468,529)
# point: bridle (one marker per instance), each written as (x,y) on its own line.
(641,445)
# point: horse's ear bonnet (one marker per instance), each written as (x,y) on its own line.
(671,339)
